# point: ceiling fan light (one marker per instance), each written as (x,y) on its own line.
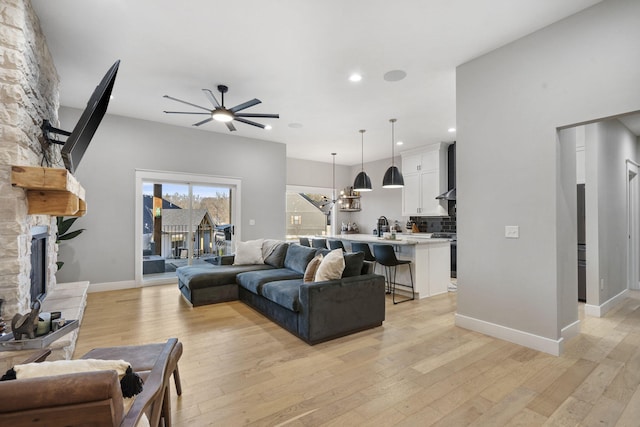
(393,178)
(222,116)
(362,182)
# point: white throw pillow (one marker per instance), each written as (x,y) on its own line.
(61,367)
(249,252)
(331,267)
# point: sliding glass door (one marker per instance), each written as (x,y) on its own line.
(181,220)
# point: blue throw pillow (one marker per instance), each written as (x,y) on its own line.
(298,257)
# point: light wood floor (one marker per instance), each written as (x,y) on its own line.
(418,369)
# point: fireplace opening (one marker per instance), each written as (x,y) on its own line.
(39,263)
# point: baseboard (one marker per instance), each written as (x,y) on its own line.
(570,331)
(111,286)
(536,342)
(128,284)
(607,306)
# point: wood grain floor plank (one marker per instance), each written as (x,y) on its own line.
(239,368)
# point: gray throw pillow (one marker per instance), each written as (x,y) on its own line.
(277,255)
(353,264)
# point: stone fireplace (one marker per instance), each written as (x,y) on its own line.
(28,94)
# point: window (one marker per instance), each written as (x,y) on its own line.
(309,211)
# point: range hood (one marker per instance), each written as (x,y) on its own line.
(448,195)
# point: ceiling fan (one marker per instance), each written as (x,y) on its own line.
(221,113)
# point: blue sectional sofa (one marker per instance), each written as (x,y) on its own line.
(314,311)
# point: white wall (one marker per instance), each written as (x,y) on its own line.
(105,251)
(509,104)
(566,199)
(608,144)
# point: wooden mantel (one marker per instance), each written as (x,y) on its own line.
(50,191)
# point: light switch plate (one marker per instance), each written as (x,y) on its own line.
(252,222)
(512,231)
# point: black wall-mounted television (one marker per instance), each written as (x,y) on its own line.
(76,144)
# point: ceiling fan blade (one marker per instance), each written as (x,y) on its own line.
(203,122)
(244,105)
(185,102)
(185,112)
(230,126)
(265,116)
(211,97)
(249,122)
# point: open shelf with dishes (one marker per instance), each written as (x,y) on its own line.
(349,200)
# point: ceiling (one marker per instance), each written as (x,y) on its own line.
(632,122)
(295,56)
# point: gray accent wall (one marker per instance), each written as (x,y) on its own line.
(105,251)
(510,103)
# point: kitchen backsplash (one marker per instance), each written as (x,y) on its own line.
(435,224)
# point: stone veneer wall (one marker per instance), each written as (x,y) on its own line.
(28,94)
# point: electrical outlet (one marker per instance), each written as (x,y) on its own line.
(252,222)
(512,231)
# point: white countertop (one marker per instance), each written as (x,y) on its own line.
(401,238)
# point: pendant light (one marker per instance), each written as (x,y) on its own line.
(392,177)
(326,202)
(362,181)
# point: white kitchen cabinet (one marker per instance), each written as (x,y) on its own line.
(425,177)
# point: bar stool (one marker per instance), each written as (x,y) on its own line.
(364,248)
(386,256)
(304,241)
(319,243)
(336,244)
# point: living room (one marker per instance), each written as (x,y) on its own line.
(549,80)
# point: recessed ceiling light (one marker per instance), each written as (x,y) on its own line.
(395,75)
(355,77)
(399,143)
(295,125)
(451,130)
(268,127)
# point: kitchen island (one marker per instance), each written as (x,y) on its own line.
(430,260)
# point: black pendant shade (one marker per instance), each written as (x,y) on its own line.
(362,181)
(393,178)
